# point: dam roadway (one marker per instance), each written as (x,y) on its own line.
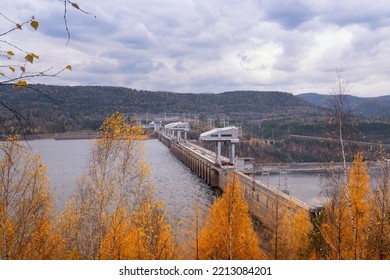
(264,202)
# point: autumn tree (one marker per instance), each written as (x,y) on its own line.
(340,211)
(115,184)
(192,230)
(290,235)
(228,233)
(149,235)
(379,241)
(347,236)
(25,205)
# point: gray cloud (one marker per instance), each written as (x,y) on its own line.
(214,45)
(292,14)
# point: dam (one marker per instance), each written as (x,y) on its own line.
(214,169)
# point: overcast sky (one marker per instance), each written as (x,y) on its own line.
(211,45)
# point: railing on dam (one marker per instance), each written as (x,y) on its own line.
(263,200)
(281,195)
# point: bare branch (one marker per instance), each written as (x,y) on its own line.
(76,6)
(66,21)
(17,115)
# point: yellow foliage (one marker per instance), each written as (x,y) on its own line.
(115,127)
(228,233)
(115,244)
(190,246)
(347,222)
(290,238)
(95,221)
(151,237)
(34,24)
(379,240)
(25,205)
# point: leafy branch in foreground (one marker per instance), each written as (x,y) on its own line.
(16,62)
(15,70)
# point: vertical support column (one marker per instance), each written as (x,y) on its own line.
(208,174)
(214,180)
(178,135)
(218,153)
(204,171)
(232,154)
(185,136)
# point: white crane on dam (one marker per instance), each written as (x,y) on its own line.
(222,135)
(173,130)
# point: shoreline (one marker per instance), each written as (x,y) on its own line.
(304,167)
(70,136)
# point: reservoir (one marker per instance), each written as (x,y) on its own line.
(177,186)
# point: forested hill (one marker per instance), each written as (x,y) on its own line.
(365,106)
(63,108)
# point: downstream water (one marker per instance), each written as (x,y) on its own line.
(305,186)
(176,184)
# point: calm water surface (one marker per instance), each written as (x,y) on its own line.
(66,160)
(305,186)
(177,186)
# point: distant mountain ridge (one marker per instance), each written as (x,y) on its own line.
(378,107)
(92,99)
(78,107)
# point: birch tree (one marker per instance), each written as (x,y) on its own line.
(340,210)
(116,183)
(151,236)
(25,205)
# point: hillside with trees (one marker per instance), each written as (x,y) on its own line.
(378,107)
(275,116)
(48,109)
